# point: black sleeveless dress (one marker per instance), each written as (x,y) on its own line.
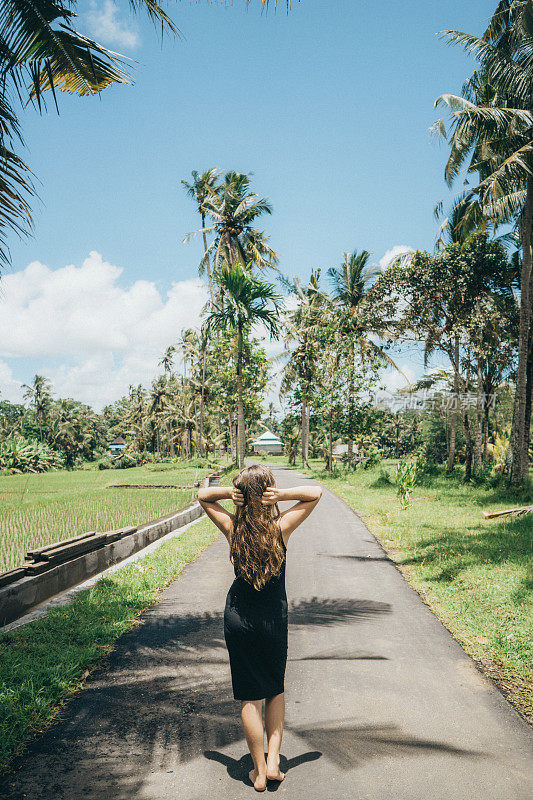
(255,630)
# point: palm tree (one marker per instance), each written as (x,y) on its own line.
(200,189)
(136,415)
(271,414)
(351,281)
(234,209)
(39,395)
(188,347)
(493,136)
(159,407)
(249,301)
(168,360)
(301,325)
(41,51)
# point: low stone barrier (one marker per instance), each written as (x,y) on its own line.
(52,569)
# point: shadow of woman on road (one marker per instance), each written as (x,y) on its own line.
(238,769)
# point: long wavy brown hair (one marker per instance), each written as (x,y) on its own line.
(256,547)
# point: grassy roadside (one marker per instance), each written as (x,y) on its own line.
(44,662)
(475,574)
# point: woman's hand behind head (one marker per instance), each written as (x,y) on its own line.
(270,496)
(237,497)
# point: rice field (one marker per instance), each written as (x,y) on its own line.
(36,510)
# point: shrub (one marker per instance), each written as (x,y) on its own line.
(383,479)
(373,457)
(127,460)
(407,474)
(18,454)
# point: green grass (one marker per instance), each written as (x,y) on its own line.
(44,662)
(476,574)
(36,510)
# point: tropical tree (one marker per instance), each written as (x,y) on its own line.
(167,360)
(351,282)
(492,135)
(302,324)
(200,190)
(233,210)
(39,395)
(160,405)
(440,299)
(249,301)
(41,51)
(136,415)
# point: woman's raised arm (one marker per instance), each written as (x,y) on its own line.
(208,497)
(307,496)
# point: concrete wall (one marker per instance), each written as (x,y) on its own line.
(21,596)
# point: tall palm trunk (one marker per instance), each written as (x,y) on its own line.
(468,438)
(209,276)
(529,389)
(519,455)
(486,430)
(305,428)
(330,442)
(351,357)
(170,440)
(232,445)
(478,446)
(202,405)
(240,406)
(455,410)
(231,251)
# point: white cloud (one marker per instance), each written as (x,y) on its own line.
(392,380)
(105,25)
(104,336)
(10,389)
(394,252)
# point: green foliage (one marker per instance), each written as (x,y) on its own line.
(22,455)
(127,461)
(372,456)
(499,450)
(383,479)
(407,473)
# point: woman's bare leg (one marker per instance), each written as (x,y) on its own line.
(274,718)
(252,722)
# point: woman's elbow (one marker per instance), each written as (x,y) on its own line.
(318,492)
(200,494)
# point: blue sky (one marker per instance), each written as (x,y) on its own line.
(328,106)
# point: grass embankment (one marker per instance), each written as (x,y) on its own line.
(36,510)
(475,574)
(44,662)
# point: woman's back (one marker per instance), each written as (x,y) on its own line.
(273,589)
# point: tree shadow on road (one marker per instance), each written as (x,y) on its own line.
(353,557)
(162,699)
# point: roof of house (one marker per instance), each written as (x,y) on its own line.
(267,438)
(118,440)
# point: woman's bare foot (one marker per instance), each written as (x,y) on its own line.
(259,781)
(273,771)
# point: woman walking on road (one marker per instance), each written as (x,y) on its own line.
(255,615)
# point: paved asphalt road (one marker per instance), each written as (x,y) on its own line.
(382,703)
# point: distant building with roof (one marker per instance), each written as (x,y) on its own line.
(117,446)
(268,442)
